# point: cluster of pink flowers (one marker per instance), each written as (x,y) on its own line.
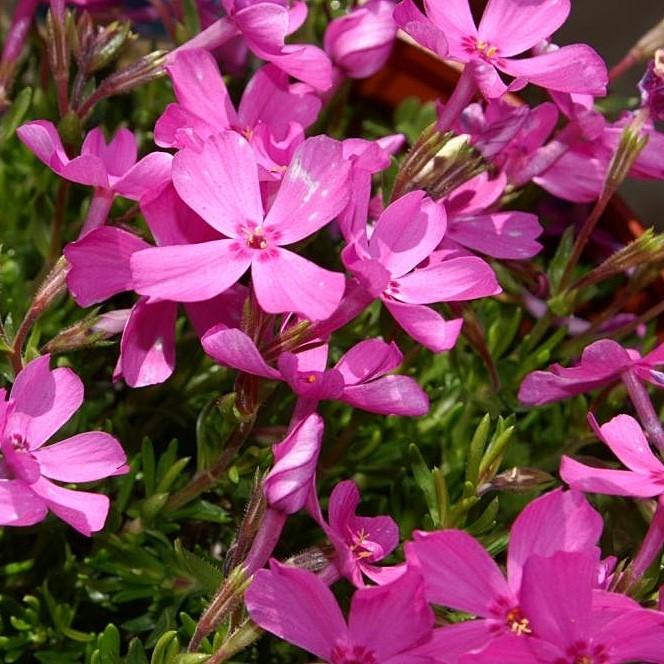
(230,207)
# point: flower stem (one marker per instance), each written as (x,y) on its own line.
(644,407)
(460,98)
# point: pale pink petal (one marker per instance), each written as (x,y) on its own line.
(514,26)
(99,264)
(367,360)
(42,138)
(455,20)
(44,400)
(87,169)
(150,173)
(458,572)
(288,485)
(296,606)
(313,191)
(190,272)
(179,128)
(84,511)
(575,68)
(556,595)
(264,26)
(268,98)
(407,232)
(628,442)
(425,325)
(389,395)
(305,62)
(147,349)
(19,504)
(454,280)
(500,234)
(391,619)
(118,156)
(220,182)
(578,528)
(233,348)
(200,88)
(83,458)
(286,282)
(611,482)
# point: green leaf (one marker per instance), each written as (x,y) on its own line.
(15,115)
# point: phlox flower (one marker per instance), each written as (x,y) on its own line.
(460,574)
(388,266)
(272,113)
(507,28)
(602,363)
(571,623)
(221,184)
(111,168)
(358,378)
(40,402)
(359,541)
(385,623)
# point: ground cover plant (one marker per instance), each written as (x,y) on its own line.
(289,375)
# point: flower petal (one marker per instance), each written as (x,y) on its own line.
(220,182)
(19,504)
(635,636)
(458,572)
(455,640)
(514,26)
(414,23)
(389,395)
(100,264)
(149,174)
(425,325)
(83,458)
(286,282)
(296,606)
(313,191)
(455,20)
(367,360)
(188,272)
(44,400)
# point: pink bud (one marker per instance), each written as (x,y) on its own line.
(360,42)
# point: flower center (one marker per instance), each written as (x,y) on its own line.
(517,622)
(18,442)
(343,654)
(256,239)
(311,378)
(479,47)
(585,653)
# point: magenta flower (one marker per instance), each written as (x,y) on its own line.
(385,623)
(360,42)
(263,26)
(221,184)
(470,223)
(602,363)
(652,87)
(507,28)
(359,541)
(99,269)
(272,114)
(566,623)
(358,379)
(41,401)
(623,435)
(460,574)
(387,266)
(110,168)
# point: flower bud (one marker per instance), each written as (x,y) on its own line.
(652,87)
(360,42)
(289,483)
(89,331)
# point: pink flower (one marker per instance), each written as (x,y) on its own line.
(110,168)
(272,114)
(358,379)
(41,401)
(387,266)
(602,363)
(385,623)
(507,28)
(623,435)
(221,184)
(360,42)
(359,541)
(460,574)
(263,26)
(470,223)
(568,625)
(652,87)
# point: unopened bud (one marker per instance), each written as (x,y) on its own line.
(652,87)
(632,142)
(108,44)
(517,480)
(90,331)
